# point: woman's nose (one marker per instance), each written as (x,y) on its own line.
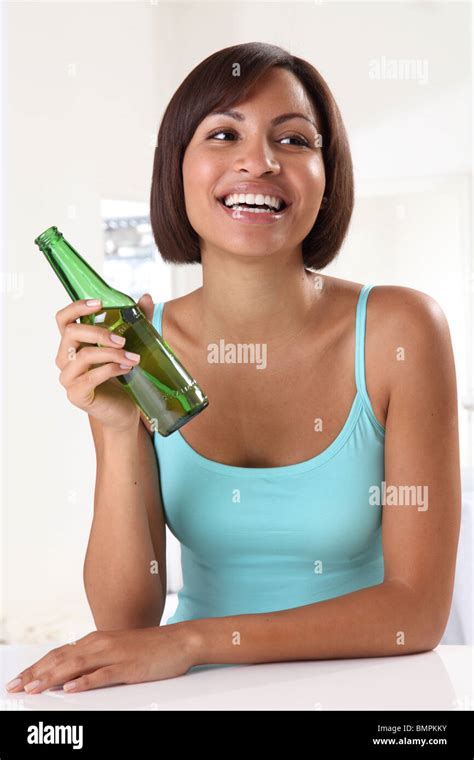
(257,156)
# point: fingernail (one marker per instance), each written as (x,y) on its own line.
(32,685)
(70,685)
(117,339)
(93,302)
(131,355)
(12,684)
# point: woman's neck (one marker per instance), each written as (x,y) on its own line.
(258,300)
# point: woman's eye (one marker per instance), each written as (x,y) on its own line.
(301,140)
(221,132)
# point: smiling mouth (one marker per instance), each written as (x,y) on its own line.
(254,208)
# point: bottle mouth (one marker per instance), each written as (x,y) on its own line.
(48,236)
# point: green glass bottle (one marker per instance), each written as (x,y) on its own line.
(160,386)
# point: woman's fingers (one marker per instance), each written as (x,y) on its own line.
(75,335)
(72,332)
(59,676)
(111,657)
(146,305)
(106,676)
(82,392)
(74,679)
(66,320)
(91,355)
(73,311)
(60,664)
(80,381)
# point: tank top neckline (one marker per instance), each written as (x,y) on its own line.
(360,403)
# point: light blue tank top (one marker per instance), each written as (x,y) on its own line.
(261,539)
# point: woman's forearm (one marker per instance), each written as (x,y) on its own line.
(379,621)
(121,580)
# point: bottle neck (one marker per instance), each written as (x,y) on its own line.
(77,276)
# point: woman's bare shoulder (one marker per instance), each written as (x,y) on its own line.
(392,302)
(397,309)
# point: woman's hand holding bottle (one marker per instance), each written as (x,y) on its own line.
(88,371)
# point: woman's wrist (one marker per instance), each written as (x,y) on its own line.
(111,434)
(191,640)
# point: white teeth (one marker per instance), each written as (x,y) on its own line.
(251,199)
(252,210)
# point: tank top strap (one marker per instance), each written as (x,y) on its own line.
(361,313)
(158,317)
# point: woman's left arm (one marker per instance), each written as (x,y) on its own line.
(406,613)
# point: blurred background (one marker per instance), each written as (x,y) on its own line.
(83,89)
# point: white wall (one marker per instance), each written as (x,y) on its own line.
(87,84)
(83,111)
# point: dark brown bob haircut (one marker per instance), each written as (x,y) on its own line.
(210,86)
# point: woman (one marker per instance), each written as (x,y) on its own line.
(317,498)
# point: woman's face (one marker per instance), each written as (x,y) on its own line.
(251,155)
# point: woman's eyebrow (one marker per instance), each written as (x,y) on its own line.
(238,116)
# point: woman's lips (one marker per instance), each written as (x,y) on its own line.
(250,217)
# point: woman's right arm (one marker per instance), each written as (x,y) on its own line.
(125,564)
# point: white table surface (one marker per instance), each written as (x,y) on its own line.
(437,680)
